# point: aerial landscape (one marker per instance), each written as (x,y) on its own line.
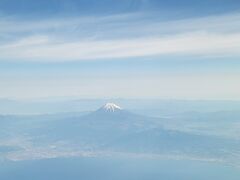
(119,90)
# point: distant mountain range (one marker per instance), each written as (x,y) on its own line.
(116,129)
(112,128)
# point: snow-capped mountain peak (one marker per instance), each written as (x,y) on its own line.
(111,107)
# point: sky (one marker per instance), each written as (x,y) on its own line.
(120,49)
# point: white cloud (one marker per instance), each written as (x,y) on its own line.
(113,37)
(40,48)
(27,42)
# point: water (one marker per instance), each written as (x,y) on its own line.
(115,169)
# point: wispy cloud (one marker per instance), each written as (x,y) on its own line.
(114,37)
(39,48)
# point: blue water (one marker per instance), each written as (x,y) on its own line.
(115,169)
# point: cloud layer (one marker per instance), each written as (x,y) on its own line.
(118,36)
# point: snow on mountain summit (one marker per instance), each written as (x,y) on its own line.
(111,107)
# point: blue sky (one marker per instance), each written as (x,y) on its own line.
(120,49)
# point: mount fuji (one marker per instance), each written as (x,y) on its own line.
(110,107)
(111,112)
(99,127)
